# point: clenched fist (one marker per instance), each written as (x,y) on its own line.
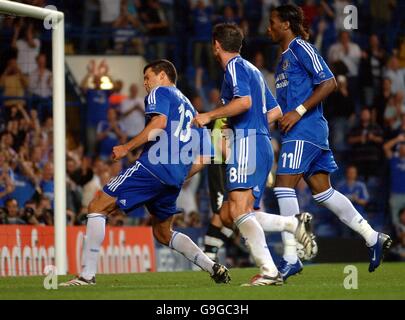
(119,152)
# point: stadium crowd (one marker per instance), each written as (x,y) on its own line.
(366,114)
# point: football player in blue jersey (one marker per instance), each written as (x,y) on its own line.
(247,105)
(156,177)
(303,81)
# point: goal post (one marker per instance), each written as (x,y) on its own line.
(55,21)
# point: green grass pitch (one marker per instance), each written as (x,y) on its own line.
(318,281)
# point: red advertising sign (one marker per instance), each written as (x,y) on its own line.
(26,250)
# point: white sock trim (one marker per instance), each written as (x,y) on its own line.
(281,192)
(95,215)
(239,220)
(323,196)
(175,233)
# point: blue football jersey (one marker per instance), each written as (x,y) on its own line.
(170,156)
(243,79)
(299,71)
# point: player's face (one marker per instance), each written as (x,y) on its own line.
(275,27)
(151,80)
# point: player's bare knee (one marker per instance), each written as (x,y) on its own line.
(287,181)
(162,236)
(96,206)
(226,219)
(238,208)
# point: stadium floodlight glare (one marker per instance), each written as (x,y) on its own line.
(59,138)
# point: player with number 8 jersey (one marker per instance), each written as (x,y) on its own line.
(249,107)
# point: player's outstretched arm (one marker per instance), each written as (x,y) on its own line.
(237,106)
(157,123)
(322,91)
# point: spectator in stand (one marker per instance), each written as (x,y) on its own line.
(47,183)
(24,180)
(132,111)
(354,190)
(40,215)
(6,144)
(29,213)
(396,75)
(44,212)
(229,15)
(128,29)
(40,86)
(401,53)
(372,65)
(256,14)
(395,152)
(83,173)
(116,96)
(400,248)
(393,111)
(73,190)
(198,103)
(91,14)
(109,12)
(381,14)
(260,64)
(338,8)
(310,9)
(381,100)
(27,45)
(13,215)
(203,16)
(154,19)
(349,53)
(340,114)
(366,140)
(323,28)
(109,134)
(214,98)
(14,84)
(401,128)
(7,183)
(97,102)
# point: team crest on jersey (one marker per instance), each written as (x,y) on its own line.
(286,64)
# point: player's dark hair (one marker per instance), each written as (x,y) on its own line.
(158,66)
(295,16)
(229,36)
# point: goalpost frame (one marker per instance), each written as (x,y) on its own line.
(59,138)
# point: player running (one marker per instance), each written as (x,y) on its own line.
(303,80)
(247,102)
(152,181)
